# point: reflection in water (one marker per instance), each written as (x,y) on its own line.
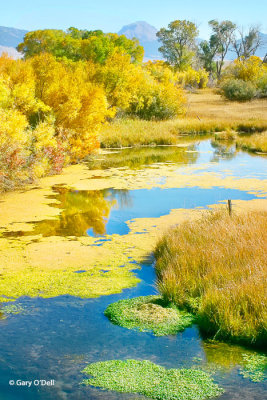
(96,213)
(223,150)
(223,354)
(138,157)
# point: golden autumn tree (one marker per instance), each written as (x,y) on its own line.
(79,106)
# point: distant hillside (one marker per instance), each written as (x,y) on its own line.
(146,34)
(11,37)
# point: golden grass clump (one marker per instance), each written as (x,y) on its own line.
(255,143)
(216,266)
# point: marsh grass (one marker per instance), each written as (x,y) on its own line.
(149,313)
(216,267)
(254,143)
(151,380)
(207,112)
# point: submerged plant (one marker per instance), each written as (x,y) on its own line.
(151,380)
(10,309)
(149,313)
(254,367)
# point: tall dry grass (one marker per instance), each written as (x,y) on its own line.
(217,267)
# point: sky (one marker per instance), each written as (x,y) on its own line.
(111,15)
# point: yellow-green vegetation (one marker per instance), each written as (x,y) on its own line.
(151,380)
(136,158)
(254,143)
(10,309)
(149,313)
(216,267)
(254,367)
(52,283)
(207,112)
(245,78)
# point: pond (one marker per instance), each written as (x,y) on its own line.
(55,337)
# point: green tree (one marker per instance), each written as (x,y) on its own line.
(206,54)
(78,44)
(220,41)
(178,43)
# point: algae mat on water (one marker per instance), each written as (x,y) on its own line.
(149,313)
(152,380)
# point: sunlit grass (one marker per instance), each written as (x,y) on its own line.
(256,142)
(216,266)
(207,112)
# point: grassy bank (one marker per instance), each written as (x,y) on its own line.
(216,267)
(207,112)
(254,143)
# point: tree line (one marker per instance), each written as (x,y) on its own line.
(181,50)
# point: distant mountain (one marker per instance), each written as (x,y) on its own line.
(146,34)
(11,37)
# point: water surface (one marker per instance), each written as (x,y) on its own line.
(55,338)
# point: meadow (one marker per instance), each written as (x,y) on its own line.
(207,112)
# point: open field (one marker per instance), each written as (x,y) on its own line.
(207,112)
(216,267)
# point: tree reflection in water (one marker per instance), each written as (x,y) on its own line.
(81,211)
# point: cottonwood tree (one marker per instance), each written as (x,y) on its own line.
(220,41)
(246,45)
(178,43)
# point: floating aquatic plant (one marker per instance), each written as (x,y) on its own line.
(149,313)
(254,367)
(151,380)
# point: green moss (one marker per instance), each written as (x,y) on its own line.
(148,313)
(254,367)
(151,380)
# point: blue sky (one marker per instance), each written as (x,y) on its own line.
(111,15)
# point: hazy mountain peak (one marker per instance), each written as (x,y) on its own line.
(140,30)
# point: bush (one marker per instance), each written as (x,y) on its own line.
(193,78)
(262,86)
(238,90)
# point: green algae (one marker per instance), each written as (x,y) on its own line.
(152,380)
(149,313)
(52,283)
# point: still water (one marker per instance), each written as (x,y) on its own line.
(55,338)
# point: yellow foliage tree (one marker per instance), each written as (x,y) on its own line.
(79,107)
(251,69)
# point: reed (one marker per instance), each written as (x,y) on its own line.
(216,267)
